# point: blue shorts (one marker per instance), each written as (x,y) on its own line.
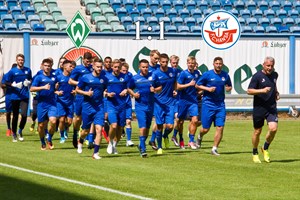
(199,110)
(105,104)
(144,117)
(45,111)
(176,107)
(216,115)
(164,114)
(116,116)
(184,109)
(129,112)
(8,105)
(65,110)
(78,105)
(92,115)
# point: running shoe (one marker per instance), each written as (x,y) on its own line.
(256,159)
(175,141)
(266,155)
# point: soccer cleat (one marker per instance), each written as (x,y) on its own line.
(214,152)
(96,156)
(50,145)
(109,149)
(199,142)
(256,159)
(66,134)
(174,139)
(31,129)
(79,147)
(43,147)
(129,143)
(21,139)
(62,140)
(167,143)
(266,155)
(15,139)
(181,143)
(153,145)
(159,151)
(115,151)
(8,132)
(142,153)
(192,145)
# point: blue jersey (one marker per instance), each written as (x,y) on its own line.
(129,76)
(19,75)
(117,84)
(63,85)
(189,94)
(153,68)
(107,71)
(47,96)
(98,84)
(211,79)
(142,85)
(53,72)
(8,88)
(167,80)
(78,72)
(59,71)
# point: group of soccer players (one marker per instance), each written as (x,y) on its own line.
(99,92)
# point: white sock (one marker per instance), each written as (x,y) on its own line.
(214,148)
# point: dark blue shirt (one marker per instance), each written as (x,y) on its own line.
(63,85)
(47,96)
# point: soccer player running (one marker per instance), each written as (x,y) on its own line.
(19,78)
(77,73)
(214,83)
(44,85)
(92,87)
(142,87)
(164,101)
(153,65)
(263,87)
(129,143)
(174,61)
(65,99)
(116,104)
(188,102)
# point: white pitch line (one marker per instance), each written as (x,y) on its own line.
(76,182)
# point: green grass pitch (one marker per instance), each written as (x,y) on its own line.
(177,174)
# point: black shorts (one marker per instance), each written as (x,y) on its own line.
(261,113)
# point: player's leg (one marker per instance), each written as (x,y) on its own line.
(160,120)
(112,117)
(77,119)
(88,116)
(8,109)
(16,107)
(258,123)
(33,114)
(220,118)
(42,123)
(61,115)
(121,121)
(169,121)
(24,109)
(99,123)
(206,122)
(193,113)
(143,122)
(176,121)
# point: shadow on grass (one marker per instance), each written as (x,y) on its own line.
(286,161)
(12,188)
(237,152)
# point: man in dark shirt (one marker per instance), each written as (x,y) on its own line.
(263,87)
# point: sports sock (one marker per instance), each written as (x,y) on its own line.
(159,139)
(20,132)
(46,131)
(143,143)
(8,120)
(180,137)
(128,133)
(81,140)
(153,136)
(75,132)
(90,137)
(166,133)
(43,141)
(255,151)
(50,138)
(175,132)
(192,138)
(96,148)
(214,148)
(266,145)
(62,134)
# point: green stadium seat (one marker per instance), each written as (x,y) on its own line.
(51,27)
(55,11)
(62,27)
(51,3)
(95,12)
(24,27)
(37,3)
(59,19)
(42,11)
(108,12)
(47,19)
(103,4)
(118,28)
(99,20)
(113,20)
(105,28)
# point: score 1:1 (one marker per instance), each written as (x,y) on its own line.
(161,31)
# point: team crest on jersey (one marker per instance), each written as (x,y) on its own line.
(221,30)
(121,79)
(53,79)
(275,80)
(223,78)
(170,74)
(196,75)
(26,72)
(101,81)
(263,80)
(150,78)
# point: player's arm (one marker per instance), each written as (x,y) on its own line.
(252,91)
(73,82)
(39,88)
(205,88)
(136,95)
(183,86)
(86,93)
